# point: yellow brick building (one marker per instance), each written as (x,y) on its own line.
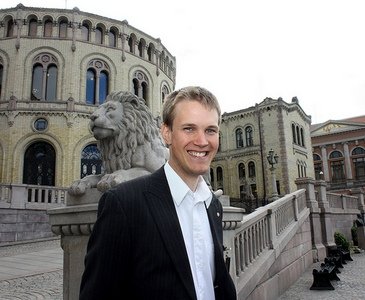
(247,136)
(56,67)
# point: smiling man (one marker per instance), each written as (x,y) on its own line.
(160,236)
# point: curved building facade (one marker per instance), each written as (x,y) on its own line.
(56,67)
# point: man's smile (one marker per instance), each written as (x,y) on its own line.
(198,154)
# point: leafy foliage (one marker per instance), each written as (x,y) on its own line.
(341,240)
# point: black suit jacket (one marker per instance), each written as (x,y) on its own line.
(136,249)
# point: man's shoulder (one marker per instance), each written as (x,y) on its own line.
(141,183)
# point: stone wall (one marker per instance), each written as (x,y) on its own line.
(24,224)
(296,257)
(342,223)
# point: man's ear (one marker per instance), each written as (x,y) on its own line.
(166,134)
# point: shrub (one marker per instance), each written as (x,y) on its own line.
(340,240)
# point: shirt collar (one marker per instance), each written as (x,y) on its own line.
(179,189)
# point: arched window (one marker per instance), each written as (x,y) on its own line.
(37,82)
(132,43)
(166,64)
(249,138)
(144,91)
(44,78)
(10,28)
(219,178)
(241,172)
(140,85)
(97,82)
(91,162)
(170,69)
(103,86)
(62,30)
(39,164)
(151,52)
(141,47)
(251,169)
(302,137)
(51,83)
(318,169)
(293,133)
(99,35)
(297,134)
(239,138)
(165,91)
(211,177)
(90,86)
(112,34)
(358,159)
(162,60)
(33,25)
(337,166)
(85,31)
(48,24)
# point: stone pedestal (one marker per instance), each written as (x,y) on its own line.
(361,237)
(74,224)
(320,216)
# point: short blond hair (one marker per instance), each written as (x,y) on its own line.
(189,93)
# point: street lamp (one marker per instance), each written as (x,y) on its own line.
(273,160)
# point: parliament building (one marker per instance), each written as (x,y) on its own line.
(58,65)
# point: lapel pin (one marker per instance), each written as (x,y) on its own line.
(217,214)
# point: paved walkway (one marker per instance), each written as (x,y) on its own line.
(34,271)
(350,287)
(31,271)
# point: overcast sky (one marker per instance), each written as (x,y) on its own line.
(247,50)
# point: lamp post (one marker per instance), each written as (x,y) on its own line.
(273,160)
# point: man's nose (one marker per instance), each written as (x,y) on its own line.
(201,138)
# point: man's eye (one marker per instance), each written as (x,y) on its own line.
(211,131)
(189,129)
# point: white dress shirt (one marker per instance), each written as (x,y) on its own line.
(191,208)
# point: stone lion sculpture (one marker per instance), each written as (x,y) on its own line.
(129,141)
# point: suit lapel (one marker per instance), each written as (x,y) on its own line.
(163,210)
(215,221)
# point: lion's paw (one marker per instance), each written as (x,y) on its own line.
(78,187)
(106,182)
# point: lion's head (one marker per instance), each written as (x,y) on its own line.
(121,124)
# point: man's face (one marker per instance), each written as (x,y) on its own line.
(193,139)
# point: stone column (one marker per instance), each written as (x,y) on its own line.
(347,161)
(19,194)
(74,224)
(325,163)
(359,193)
(326,222)
(232,220)
(315,217)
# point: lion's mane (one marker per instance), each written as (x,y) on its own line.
(138,127)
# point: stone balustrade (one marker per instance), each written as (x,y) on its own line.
(256,240)
(341,201)
(38,197)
